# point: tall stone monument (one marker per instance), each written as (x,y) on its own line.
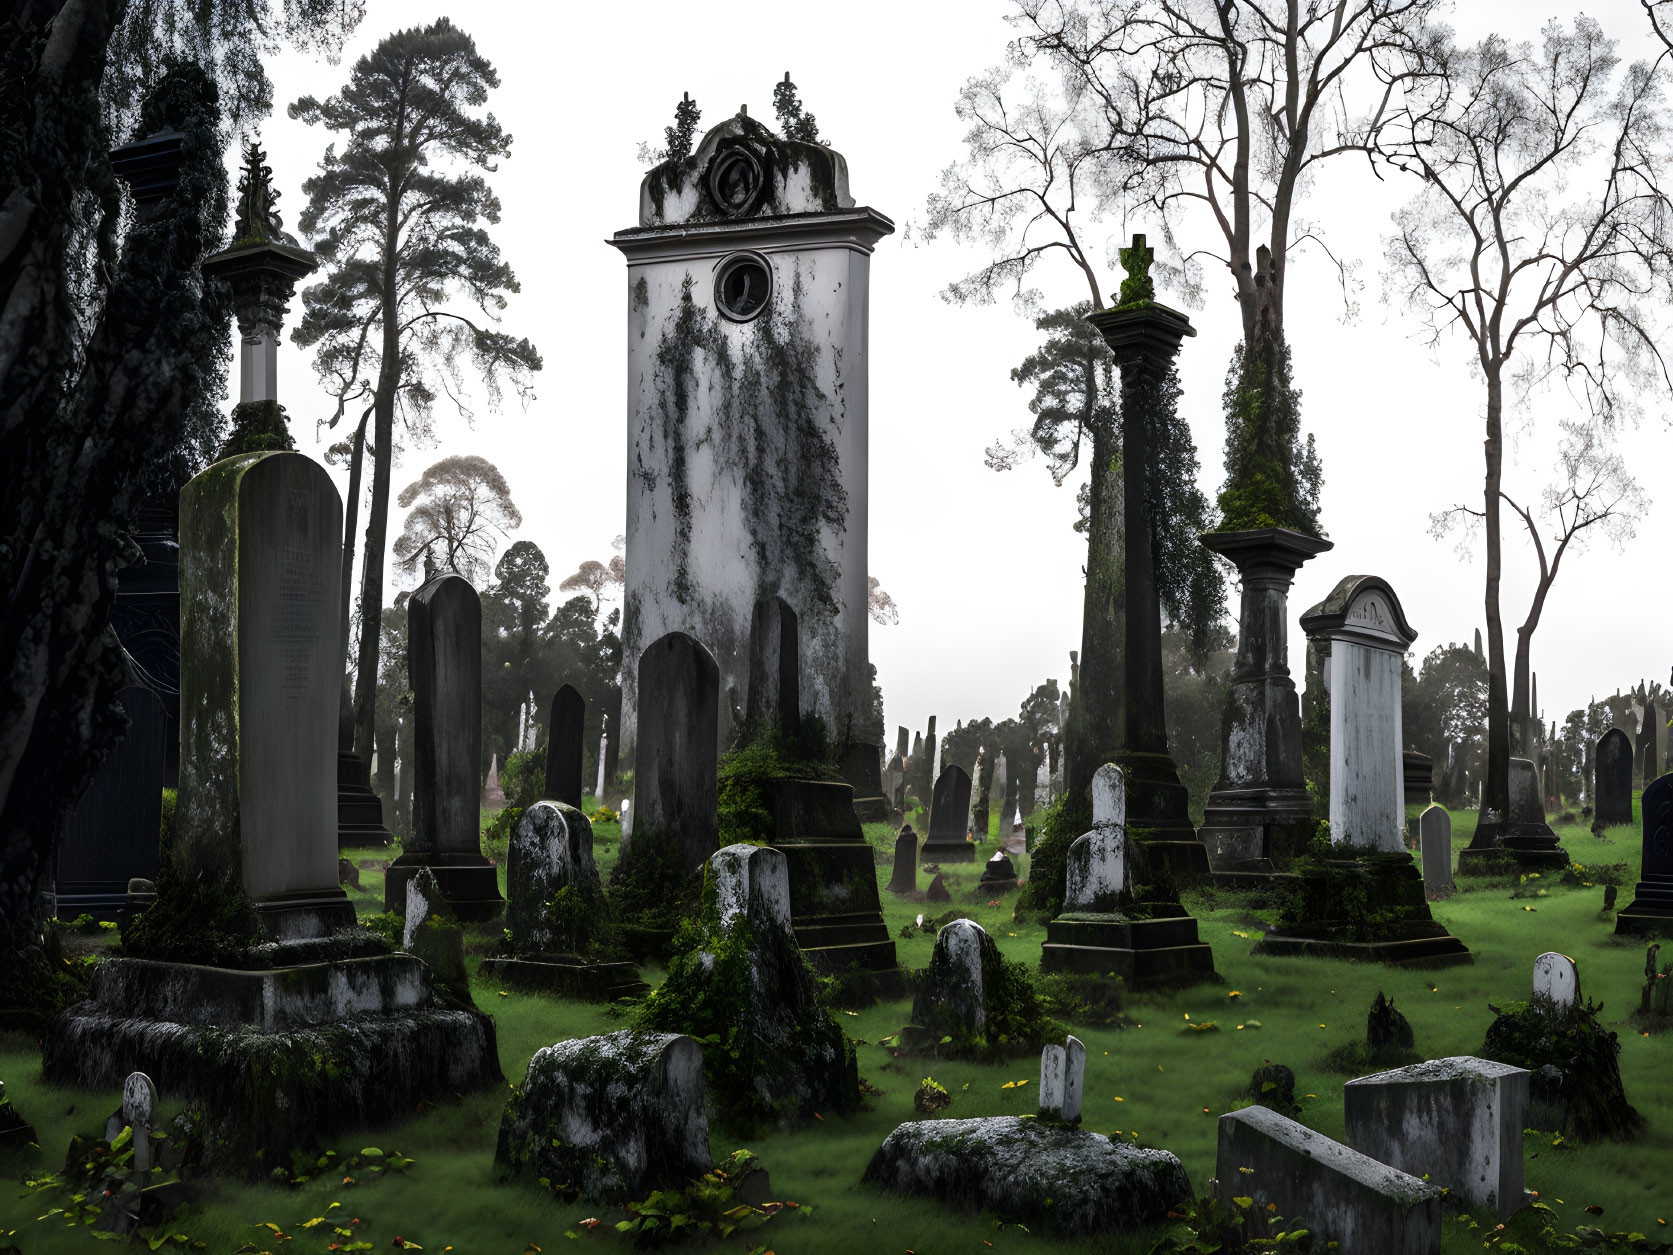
(1367,900)
(1145,337)
(444,667)
(1260,808)
(1652,903)
(748,288)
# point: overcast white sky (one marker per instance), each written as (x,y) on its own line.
(984,566)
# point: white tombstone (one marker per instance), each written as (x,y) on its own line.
(752,881)
(1434,837)
(1361,636)
(418,910)
(1557,977)
(139,1108)
(1097,863)
(603,757)
(959,946)
(627,821)
(997,791)
(1062,1079)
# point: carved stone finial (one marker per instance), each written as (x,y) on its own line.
(258,213)
(1137,286)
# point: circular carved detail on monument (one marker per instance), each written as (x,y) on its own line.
(743,286)
(736,181)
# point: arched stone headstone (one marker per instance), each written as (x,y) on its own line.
(774,700)
(1612,779)
(1062,1078)
(1557,977)
(678,750)
(752,881)
(1434,834)
(905,878)
(564,746)
(551,849)
(948,817)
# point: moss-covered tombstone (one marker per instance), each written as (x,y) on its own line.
(1576,1083)
(737,983)
(971,1002)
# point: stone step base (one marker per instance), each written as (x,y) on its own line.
(1166,966)
(1269,882)
(1438,950)
(1121,934)
(1651,910)
(837,930)
(470,883)
(590,982)
(947,851)
(864,956)
(1184,859)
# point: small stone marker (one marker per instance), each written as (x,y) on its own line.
(551,850)
(905,878)
(442,944)
(564,736)
(626,812)
(938,891)
(1457,1121)
(1346,1197)
(1557,977)
(1612,779)
(1062,1077)
(1097,864)
(999,874)
(139,1107)
(752,881)
(1434,834)
(603,758)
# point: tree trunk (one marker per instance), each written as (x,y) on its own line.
(1496,796)
(351,521)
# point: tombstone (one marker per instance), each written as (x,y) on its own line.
(1557,978)
(1652,906)
(139,1109)
(905,878)
(564,747)
(1346,1197)
(261,671)
(949,818)
(1042,781)
(1360,636)
(1612,779)
(1523,835)
(1649,743)
(976,821)
(894,781)
(715,477)
(1527,806)
(998,793)
(625,810)
(551,850)
(444,668)
(938,891)
(999,874)
(932,747)
(603,758)
(430,930)
(615,1117)
(1093,935)
(1062,1078)
(774,700)
(493,796)
(674,782)
(1009,816)
(1434,834)
(1455,1122)
(1256,814)
(951,998)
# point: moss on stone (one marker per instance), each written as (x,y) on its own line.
(1048,863)
(741,786)
(1583,1088)
(201,919)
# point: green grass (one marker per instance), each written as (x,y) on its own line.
(1163,1074)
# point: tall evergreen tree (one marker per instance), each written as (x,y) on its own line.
(683,133)
(414,283)
(793,121)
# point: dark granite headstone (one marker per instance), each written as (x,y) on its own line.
(948,815)
(905,878)
(444,667)
(679,730)
(1612,779)
(998,874)
(1652,906)
(564,747)
(774,699)
(1649,744)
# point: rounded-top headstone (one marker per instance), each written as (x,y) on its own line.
(139,1100)
(1097,870)
(1657,806)
(956,965)
(1612,778)
(551,850)
(754,881)
(1557,977)
(1109,796)
(444,663)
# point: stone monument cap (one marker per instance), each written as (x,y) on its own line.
(1363,609)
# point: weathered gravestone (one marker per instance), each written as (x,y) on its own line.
(603,759)
(1612,779)
(997,794)
(277,970)
(1062,1079)
(615,1117)
(1557,978)
(774,699)
(1652,902)
(431,932)
(1527,806)
(444,668)
(1360,635)
(905,877)
(493,796)
(674,813)
(1434,834)
(557,919)
(1456,1122)
(1344,1197)
(1108,927)
(565,730)
(952,994)
(949,818)
(999,874)
(1522,835)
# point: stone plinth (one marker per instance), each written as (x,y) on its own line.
(1257,816)
(261,538)
(1523,842)
(444,668)
(1652,902)
(1372,908)
(1457,1122)
(1344,1196)
(615,1117)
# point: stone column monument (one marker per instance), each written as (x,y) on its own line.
(748,287)
(1145,338)
(1260,804)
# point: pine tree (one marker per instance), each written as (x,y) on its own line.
(681,135)
(792,121)
(1273,477)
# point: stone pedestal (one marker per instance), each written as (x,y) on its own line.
(1257,815)
(1144,338)
(1652,903)
(359,808)
(444,666)
(1521,843)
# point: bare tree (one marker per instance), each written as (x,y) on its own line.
(1540,233)
(878,602)
(458,507)
(595,578)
